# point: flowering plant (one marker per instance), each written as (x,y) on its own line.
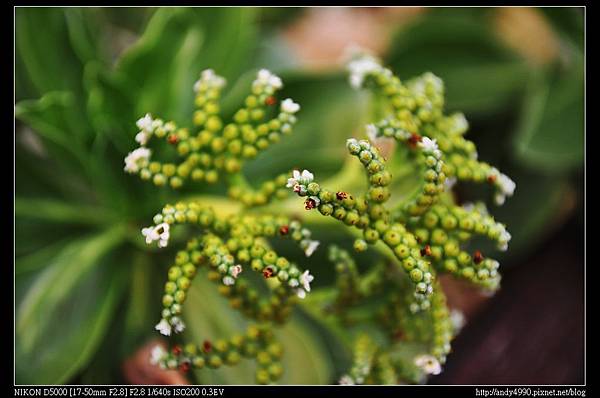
(425,231)
(223,171)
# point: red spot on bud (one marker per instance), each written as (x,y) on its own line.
(426,251)
(341,195)
(268,272)
(206,346)
(176,350)
(477,257)
(284,230)
(172,139)
(184,367)
(414,140)
(310,204)
(491,178)
(270,101)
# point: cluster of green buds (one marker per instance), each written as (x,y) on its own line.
(426,231)
(369,214)
(415,110)
(258,344)
(420,235)
(213,148)
(226,247)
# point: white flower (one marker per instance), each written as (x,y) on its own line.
(351,141)
(305,279)
(458,319)
(178,324)
(507,185)
(161,233)
(289,106)
(137,159)
(315,200)
(359,68)
(146,123)
(228,280)
(449,183)
(142,137)
(266,78)
(209,77)
(460,123)
(157,355)
(503,240)
(163,327)
(311,246)
(346,380)
(294,282)
(429,364)
(372,132)
(235,270)
(504,183)
(301,293)
(428,144)
(300,179)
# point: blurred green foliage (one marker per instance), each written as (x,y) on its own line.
(86,285)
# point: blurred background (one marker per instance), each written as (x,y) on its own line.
(87,287)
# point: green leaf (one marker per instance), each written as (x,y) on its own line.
(54,285)
(140,315)
(60,212)
(162,66)
(78,327)
(550,136)
(83,26)
(51,117)
(43,44)
(568,22)
(66,310)
(479,73)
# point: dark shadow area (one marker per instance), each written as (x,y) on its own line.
(532,331)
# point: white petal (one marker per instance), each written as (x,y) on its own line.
(311,247)
(301,293)
(429,364)
(145,123)
(307,175)
(289,106)
(346,381)
(228,280)
(372,132)
(428,145)
(291,182)
(276,82)
(305,280)
(158,353)
(163,327)
(263,75)
(142,137)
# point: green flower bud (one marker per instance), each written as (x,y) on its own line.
(198,362)
(371,235)
(325,209)
(167,300)
(360,245)
(215,361)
